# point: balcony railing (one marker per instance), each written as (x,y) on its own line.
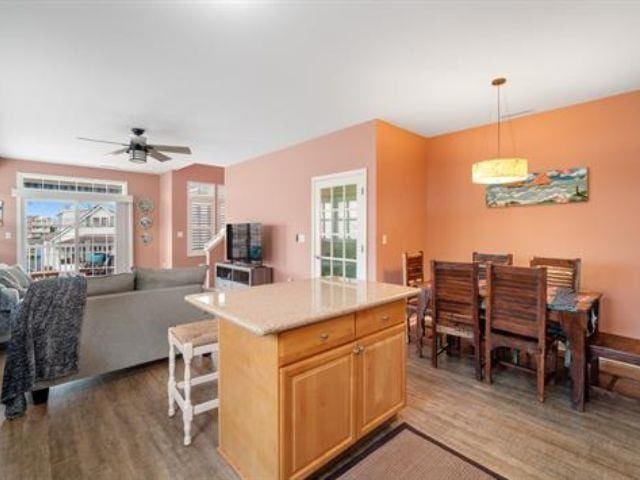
(91,260)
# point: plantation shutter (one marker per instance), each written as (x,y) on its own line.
(201,224)
(221,208)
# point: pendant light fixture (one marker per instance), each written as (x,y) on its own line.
(500,169)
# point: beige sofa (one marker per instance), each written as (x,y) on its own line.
(129,326)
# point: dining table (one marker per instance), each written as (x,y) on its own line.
(575,314)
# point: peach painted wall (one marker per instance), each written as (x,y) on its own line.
(165,220)
(401,197)
(139,184)
(173,188)
(275,189)
(602,135)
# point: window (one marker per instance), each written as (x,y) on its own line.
(73,225)
(205,214)
(61,184)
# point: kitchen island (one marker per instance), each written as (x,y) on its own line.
(307,368)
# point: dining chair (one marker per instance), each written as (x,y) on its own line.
(412,276)
(516,318)
(561,272)
(455,308)
(496,258)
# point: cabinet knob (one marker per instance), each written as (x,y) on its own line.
(324,336)
(385,318)
(358,349)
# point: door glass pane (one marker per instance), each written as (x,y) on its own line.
(96,235)
(350,269)
(325,247)
(338,223)
(350,249)
(326,268)
(338,197)
(338,250)
(337,268)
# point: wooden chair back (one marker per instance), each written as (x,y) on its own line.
(516,301)
(496,258)
(561,272)
(455,293)
(413,268)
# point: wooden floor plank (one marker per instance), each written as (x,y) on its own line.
(116,426)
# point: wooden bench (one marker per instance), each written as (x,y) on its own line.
(612,347)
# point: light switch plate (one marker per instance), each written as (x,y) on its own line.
(384,239)
(7,235)
(300,238)
(180,233)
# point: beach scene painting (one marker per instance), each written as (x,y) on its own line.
(551,187)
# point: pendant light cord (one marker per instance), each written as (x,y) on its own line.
(498,121)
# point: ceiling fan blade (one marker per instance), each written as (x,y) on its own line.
(158,156)
(103,141)
(171,149)
(118,151)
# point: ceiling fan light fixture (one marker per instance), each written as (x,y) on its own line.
(137,156)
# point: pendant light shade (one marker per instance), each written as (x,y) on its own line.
(500,170)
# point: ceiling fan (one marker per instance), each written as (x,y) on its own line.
(138,148)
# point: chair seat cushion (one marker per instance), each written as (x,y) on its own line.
(197,333)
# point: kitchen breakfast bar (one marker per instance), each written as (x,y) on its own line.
(307,368)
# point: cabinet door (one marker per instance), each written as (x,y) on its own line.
(381,377)
(317,410)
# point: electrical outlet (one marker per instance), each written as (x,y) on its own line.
(180,234)
(7,235)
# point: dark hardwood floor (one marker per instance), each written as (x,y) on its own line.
(116,426)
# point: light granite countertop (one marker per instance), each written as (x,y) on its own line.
(279,307)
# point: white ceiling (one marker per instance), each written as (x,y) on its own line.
(234,80)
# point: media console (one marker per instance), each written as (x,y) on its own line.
(235,275)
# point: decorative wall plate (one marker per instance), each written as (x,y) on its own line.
(146,222)
(145,205)
(146,238)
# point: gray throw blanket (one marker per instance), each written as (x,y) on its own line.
(44,341)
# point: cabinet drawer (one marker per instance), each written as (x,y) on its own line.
(303,342)
(379,318)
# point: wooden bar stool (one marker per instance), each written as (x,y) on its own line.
(191,339)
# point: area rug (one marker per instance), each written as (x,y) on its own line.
(406,453)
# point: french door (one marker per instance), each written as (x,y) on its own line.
(339,209)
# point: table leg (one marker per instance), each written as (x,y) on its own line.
(420,331)
(574,325)
(423,305)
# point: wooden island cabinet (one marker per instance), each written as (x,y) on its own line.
(292,399)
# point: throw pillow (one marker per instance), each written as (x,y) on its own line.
(9,281)
(21,276)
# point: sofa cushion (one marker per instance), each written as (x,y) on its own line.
(151,278)
(21,275)
(9,280)
(121,282)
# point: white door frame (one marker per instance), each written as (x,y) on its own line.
(359,177)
